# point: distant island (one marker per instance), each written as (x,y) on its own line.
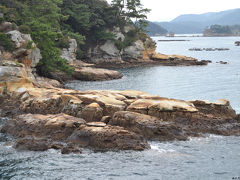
(218,30)
(197,23)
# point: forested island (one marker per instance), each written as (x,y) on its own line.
(218,30)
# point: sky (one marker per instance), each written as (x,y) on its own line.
(166,10)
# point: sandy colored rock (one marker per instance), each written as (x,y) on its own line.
(95,74)
(47,83)
(55,127)
(158,105)
(92,113)
(14,78)
(159,56)
(96,124)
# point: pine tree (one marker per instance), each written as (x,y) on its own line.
(132,10)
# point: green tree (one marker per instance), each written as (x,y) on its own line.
(43,18)
(132,10)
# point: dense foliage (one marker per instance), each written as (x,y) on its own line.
(51,22)
(6,43)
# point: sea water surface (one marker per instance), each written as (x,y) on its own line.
(212,82)
(209,158)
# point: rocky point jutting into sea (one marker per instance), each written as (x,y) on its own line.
(43,115)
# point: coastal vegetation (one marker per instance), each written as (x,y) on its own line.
(52,22)
(6,43)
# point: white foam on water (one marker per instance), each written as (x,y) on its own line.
(158,147)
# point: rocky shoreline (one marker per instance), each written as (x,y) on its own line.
(43,115)
(44,118)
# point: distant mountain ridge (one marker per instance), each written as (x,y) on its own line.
(196,23)
(154,29)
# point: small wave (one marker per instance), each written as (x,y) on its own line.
(206,137)
(157,147)
(215,136)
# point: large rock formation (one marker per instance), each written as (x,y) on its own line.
(142,51)
(26,50)
(70,53)
(128,119)
(14,77)
(41,132)
(108,52)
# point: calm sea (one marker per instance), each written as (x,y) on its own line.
(212,82)
(209,158)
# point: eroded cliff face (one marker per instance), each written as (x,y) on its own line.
(25,50)
(142,51)
(110,52)
(70,53)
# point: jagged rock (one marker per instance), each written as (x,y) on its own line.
(14,78)
(70,53)
(92,113)
(176,60)
(153,117)
(10,63)
(35,56)
(55,127)
(95,74)
(221,108)
(32,144)
(159,57)
(108,138)
(19,39)
(118,34)
(134,51)
(158,105)
(110,49)
(41,132)
(47,83)
(29,57)
(150,127)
